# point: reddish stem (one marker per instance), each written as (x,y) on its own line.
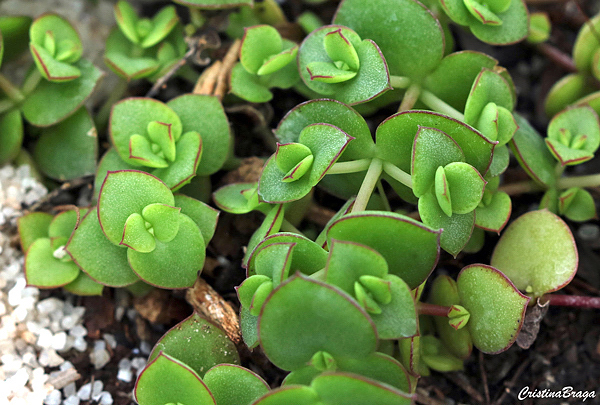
(432,309)
(557,56)
(579,301)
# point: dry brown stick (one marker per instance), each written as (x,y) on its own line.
(228,61)
(65,186)
(512,381)
(484,380)
(465,385)
(64,378)
(209,303)
(207,81)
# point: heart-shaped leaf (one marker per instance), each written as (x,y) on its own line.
(234,198)
(258,45)
(342,388)
(457,229)
(212,125)
(497,308)
(166,380)
(210,344)
(234,385)
(323,73)
(103,261)
(292,329)
(420,245)
(162,24)
(126,192)
(514,27)
(537,252)
(466,186)
(120,56)
(397,22)
(577,204)
(183,257)
(32,227)
(202,214)
(574,135)
(494,215)
(432,148)
(44,270)
(52,102)
(84,285)
(75,136)
(395,138)
(586,45)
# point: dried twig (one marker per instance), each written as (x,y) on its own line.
(64,187)
(64,378)
(512,381)
(463,383)
(484,380)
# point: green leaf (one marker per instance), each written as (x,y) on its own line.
(489,87)
(202,214)
(234,385)
(15,33)
(100,259)
(215,4)
(456,230)
(408,34)
(183,169)
(330,112)
(500,161)
(432,148)
(212,125)
(121,56)
(32,227)
(339,48)
(326,142)
(110,162)
(271,224)
(586,45)
(458,341)
(442,192)
(420,246)
(249,327)
(497,308)
(568,90)
(63,224)
(248,86)
(537,252)
(463,67)
(11,135)
(398,318)
(336,78)
(292,329)
(494,215)
(233,198)
(52,102)
(136,236)
(539,27)
(297,395)
(124,193)
(482,13)
(577,204)
(379,367)
(274,261)
(127,20)
(466,186)
(278,61)
(166,380)
(50,68)
(43,270)
(163,219)
(395,138)
(162,24)
(57,145)
(174,264)
(84,285)
(210,344)
(340,389)
(132,117)
(514,27)
(258,45)
(529,149)
(574,135)
(308,257)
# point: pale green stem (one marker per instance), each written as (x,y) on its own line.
(384,198)
(592,180)
(32,81)
(399,82)
(410,97)
(6,105)
(352,166)
(437,104)
(368,185)
(11,90)
(398,174)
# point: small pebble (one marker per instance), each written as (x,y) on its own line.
(53,398)
(138,363)
(85,392)
(105,398)
(70,390)
(99,358)
(97,387)
(125,374)
(110,340)
(72,400)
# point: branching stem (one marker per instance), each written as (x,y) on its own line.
(578,301)
(437,104)
(399,82)
(410,97)
(397,173)
(351,166)
(368,185)
(11,90)
(431,309)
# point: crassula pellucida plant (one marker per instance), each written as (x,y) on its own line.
(355,311)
